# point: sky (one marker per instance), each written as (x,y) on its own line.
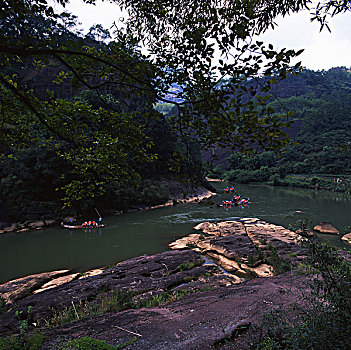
(323,50)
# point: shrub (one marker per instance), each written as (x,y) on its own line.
(33,342)
(325,320)
(85,343)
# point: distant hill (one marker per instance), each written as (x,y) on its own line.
(321,101)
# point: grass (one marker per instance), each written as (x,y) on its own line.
(305,269)
(88,343)
(321,318)
(232,337)
(164,297)
(280,265)
(118,301)
(33,342)
(188,265)
(292,255)
(271,257)
(254,260)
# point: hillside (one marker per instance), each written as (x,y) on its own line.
(105,147)
(320,135)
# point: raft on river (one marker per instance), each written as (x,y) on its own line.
(81,226)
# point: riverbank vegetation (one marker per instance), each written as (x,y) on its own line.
(319,154)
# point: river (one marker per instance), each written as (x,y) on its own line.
(148,232)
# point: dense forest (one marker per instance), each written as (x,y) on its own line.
(46,172)
(320,134)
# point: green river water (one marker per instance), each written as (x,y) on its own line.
(148,232)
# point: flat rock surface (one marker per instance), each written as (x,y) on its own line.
(56,282)
(237,245)
(197,321)
(145,274)
(16,289)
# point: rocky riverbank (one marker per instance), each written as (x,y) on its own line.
(178,194)
(211,289)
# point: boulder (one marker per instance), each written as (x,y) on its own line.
(36,224)
(242,241)
(57,282)
(222,228)
(327,228)
(17,289)
(236,247)
(347,238)
(11,228)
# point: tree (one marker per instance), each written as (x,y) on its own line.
(183,38)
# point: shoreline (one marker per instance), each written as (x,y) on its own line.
(297,185)
(170,281)
(201,193)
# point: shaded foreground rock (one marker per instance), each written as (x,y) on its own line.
(143,276)
(197,321)
(327,228)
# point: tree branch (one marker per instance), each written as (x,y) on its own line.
(53,52)
(30,106)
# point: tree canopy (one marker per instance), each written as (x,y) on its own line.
(207,48)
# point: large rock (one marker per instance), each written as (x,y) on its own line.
(205,307)
(327,228)
(22,287)
(200,320)
(236,247)
(240,245)
(222,228)
(347,238)
(146,274)
(268,236)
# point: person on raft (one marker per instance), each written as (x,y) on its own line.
(89,224)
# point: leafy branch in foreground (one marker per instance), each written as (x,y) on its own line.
(220,102)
